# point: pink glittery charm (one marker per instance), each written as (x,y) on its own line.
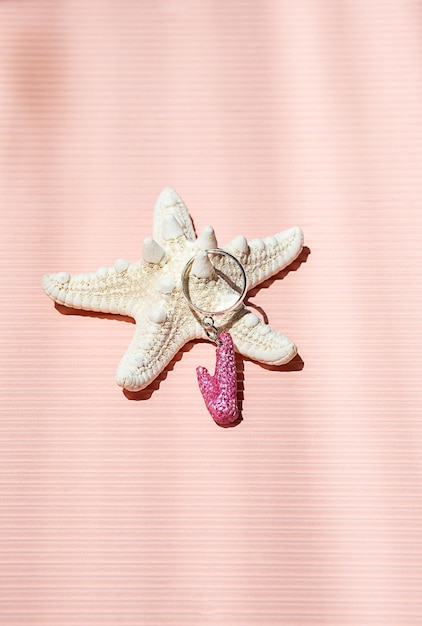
(220,391)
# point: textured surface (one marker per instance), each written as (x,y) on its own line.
(137,509)
(220,390)
(150,291)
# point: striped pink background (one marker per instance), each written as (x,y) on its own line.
(262,115)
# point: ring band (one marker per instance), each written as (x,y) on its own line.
(235,305)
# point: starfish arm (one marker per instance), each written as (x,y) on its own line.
(262,258)
(109,290)
(170,207)
(153,347)
(258,341)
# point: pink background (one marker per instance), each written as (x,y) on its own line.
(262,115)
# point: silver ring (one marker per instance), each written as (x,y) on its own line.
(242,294)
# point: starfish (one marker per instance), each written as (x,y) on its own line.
(150,291)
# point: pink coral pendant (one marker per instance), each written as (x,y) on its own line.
(220,391)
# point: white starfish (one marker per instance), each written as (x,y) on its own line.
(150,292)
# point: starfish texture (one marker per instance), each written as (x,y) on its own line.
(150,291)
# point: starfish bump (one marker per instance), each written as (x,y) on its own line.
(150,291)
